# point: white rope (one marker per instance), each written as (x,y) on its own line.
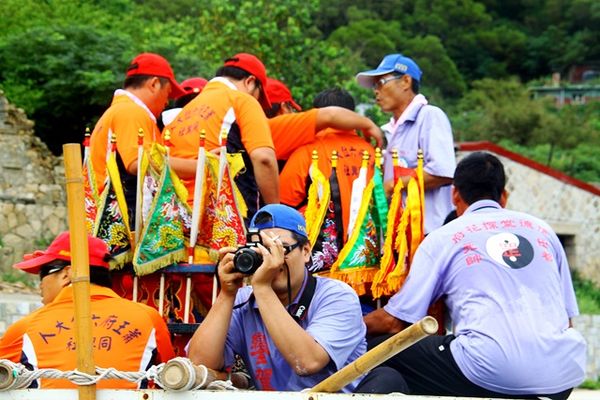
(23,377)
(221,385)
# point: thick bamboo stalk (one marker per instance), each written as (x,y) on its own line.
(377,355)
(79,266)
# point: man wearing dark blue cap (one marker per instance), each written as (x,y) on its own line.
(291,329)
(414,125)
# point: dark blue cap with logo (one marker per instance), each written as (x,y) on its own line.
(281,216)
(392,63)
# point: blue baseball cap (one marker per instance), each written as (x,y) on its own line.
(390,63)
(281,216)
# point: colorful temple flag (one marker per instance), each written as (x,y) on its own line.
(112,220)
(90,189)
(331,237)
(228,227)
(162,241)
(405,230)
(318,200)
(358,261)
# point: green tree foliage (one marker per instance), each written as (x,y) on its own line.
(62,77)
(368,38)
(60,60)
(495,110)
(500,111)
(282,35)
(371,42)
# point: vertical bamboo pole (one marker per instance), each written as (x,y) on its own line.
(79,266)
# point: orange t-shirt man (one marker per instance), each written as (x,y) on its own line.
(290,131)
(125,116)
(349,146)
(248,132)
(148,84)
(127,336)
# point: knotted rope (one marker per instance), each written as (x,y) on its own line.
(179,374)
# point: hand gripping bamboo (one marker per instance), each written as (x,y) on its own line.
(79,265)
(377,355)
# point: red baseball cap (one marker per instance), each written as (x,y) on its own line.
(251,64)
(60,249)
(279,93)
(155,65)
(193,85)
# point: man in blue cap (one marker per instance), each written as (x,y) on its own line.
(414,125)
(291,329)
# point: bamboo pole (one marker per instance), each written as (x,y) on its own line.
(79,266)
(377,355)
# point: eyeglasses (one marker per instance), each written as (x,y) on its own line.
(288,248)
(50,269)
(379,83)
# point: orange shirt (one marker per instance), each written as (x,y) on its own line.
(207,112)
(126,335)
(293,178)
(291,131)
(124,118)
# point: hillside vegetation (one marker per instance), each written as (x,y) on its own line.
(60,60)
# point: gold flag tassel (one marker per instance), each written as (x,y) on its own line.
(319,193)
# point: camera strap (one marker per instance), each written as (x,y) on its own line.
(298,311)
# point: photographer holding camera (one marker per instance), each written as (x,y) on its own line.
(291,329)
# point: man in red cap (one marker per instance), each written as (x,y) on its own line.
(295,177)
(281,98)
(232,102)
(192,88)
(126,335)
(291,130)
(149,84)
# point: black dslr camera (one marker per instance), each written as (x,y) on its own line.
(246,260)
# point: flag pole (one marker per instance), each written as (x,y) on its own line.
(86,142)
(222,161)
(138,204)
(358,188)
(196,219)
(161,289)
(379,164)
(80,266)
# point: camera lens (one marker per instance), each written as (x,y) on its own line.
(247,261)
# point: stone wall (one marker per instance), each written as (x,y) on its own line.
(16,306)
(589,326)
(32,197)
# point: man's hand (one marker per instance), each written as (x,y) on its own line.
(373,132)
(379,322)
(273,259)
(230,279)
